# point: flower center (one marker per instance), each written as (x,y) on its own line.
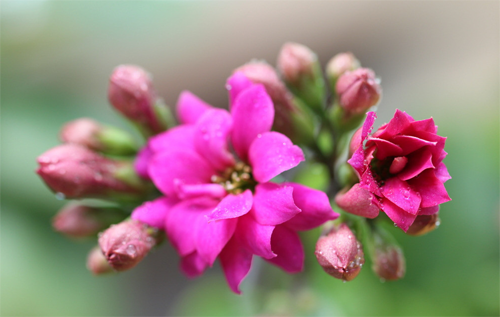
(236,179)
(386,168)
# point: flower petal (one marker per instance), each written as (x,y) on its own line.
(399,123)
(186,191)
(141,162)
(212,237)
(357,160)
(235,85)
(426,125)
(431,189)
(417,162)
(154,213)
(402,195)
(290,253)
(253,114)
(271,154)
(178,138)
(442,173)
(401,218)
(358,201)
(255,237)
(410,143)
(314,205)
(273,204)
(193,265)
(236,262)
(190,108)
(429,210)
(166,169)
(232,206)
(384,148)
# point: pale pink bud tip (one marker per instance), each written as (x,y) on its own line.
(124,245)
(97,263)
(295,61)
(77,221)
(357,201)
(341,63)
(389,264)
(82,131)
(340,254)
(423,224)
(358,90)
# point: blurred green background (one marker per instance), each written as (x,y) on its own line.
(437,59)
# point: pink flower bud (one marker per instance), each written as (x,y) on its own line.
(423,224)
(97,263)
(131,93)
(355,142)
(97,137)
(340,254)
(74,171)
(78,221)
(296,61)
(357,201)
(124,245)
(341,63)
(358,90)
(388,259)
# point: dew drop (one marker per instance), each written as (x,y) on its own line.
(60,196)
(228,87)
(131,250)
(395,225)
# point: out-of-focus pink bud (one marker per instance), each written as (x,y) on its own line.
(97,137)
(73,171)
(339,64)
(358,90)
(423,224)
(340,254)
(388,259)
(357,201)
(124,245)
(97,263)
(79,221)
(131,93)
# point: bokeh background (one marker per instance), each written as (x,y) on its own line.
(435,58)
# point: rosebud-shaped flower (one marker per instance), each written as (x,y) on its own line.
(97,263)
(358,90)
(97,137)
(131,93)
(124,245)
(74,171)
(340,254)
(78,221)
(388,259)
(423,224)
(400,168)
(338,65)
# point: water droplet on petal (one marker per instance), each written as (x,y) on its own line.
(60,196)
(131,250)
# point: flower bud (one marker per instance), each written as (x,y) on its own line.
(357,201)
(78,221)
(388,259)
(73,171)
(124,245)
(340,253)
(301,72)
(423,224)
(358,90)
(97,263)
(338,65)
(131,93)
(97,137)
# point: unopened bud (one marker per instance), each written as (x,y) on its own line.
(357,201)
(79,221)
(340,254)
(301,72)
(97,137)
(338,65)
(358,90)
(97,263)
(388,259)
(131,93)
(124,245)
(423,224)
(73,171)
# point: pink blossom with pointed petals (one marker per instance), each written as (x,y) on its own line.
(401,170)
(221,204)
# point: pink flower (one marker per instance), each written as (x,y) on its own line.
(221,205)
(400,169)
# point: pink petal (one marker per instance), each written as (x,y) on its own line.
(314,205)
(154,213)
(369,183)
(273,204)
(426,125)
(211,138)
(141,162)
(182,223)
(410,144)
(193,265)
(271,154)
(232,206)
(402,195)
(190,108)
(442,173)
(255,237)
(384,148)
(286,244)
(186,191)
(358,201)
(401,218)
(417,162)
(399,123)
(357,160)
(167,169)
(236,262)
(178,138)
(253,114)
(429,210)
(431,189)
(235,85)
(211,237)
